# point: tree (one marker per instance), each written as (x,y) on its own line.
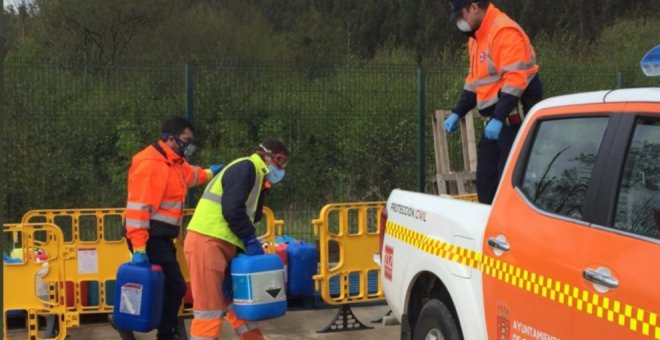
(95,31)
(228,30)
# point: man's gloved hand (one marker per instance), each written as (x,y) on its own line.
(215,168)
(252,245)
(139,257)
(227,285)
(451,123)
(493,129)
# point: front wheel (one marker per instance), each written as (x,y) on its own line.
(436,322)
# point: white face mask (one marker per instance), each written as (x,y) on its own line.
(463,25)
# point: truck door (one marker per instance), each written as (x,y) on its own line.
(537,228)
(620,257)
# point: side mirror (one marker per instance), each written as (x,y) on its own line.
(650,64)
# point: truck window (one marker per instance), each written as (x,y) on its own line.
(560,163)
(639,189)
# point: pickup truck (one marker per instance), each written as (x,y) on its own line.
(565,251)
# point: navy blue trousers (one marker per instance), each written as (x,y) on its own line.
(161,251)
(491,158)
(492,154)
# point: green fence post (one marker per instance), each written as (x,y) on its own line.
(190,109)
(421,110)
(619,80)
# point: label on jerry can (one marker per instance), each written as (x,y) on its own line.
(131,299)
(257,288)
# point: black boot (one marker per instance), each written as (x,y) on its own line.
(167,335)
(178,333)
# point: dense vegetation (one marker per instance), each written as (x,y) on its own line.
(301,31)
(87,83)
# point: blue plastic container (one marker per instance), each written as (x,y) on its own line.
(258,283)
(302,265)
(15,313)
(354,284)
(138,297)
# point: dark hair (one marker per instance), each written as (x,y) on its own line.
(274,145)
(176,125)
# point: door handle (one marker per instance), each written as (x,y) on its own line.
(600,276)
(498,244)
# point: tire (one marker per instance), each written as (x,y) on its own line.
(436,322)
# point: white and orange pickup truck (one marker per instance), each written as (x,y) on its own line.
(569,249)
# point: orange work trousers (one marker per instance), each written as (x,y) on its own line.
(208,259)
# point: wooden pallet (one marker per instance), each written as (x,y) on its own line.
(447,180)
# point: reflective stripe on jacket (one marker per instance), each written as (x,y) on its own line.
(158,181)
(501,58)
(229,205)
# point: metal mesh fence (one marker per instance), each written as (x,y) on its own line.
(70,130)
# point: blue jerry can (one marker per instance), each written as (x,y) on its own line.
(258,283)
(303,265)
(138,297)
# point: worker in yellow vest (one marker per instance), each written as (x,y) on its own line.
(221,227)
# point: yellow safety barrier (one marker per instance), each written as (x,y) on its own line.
(273,226)
(349,235)
(35,283)
(347,272)
(93,239)
(467,197)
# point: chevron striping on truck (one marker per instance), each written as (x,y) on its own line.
(636,319)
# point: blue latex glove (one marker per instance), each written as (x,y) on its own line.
(451,123)
(139,257)
(227,285)
(215,168)
(493,129)
(252,245)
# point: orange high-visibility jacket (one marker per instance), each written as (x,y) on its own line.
(501,58)
(158,181)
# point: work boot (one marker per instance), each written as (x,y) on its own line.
(180,329)
(177,333)
(169,336)
(173,335)
(123,333)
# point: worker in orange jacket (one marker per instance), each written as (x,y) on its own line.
(158,182)
(503,72)
(221,227)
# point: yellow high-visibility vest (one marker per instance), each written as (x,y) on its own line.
(208,218)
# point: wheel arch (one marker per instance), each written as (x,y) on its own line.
(427,285)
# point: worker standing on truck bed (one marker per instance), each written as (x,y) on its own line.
(503,72)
